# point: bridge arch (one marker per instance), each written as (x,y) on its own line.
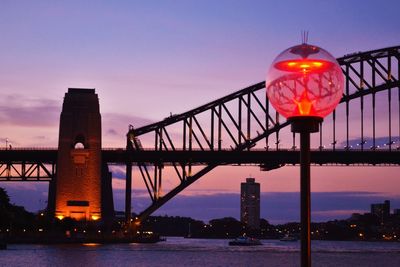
(244,121)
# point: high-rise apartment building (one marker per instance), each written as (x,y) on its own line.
(381,210)
(250,203)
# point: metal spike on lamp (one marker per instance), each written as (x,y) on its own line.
(305,84)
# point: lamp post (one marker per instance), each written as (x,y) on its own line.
(305,84)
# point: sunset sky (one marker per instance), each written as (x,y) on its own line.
(149,58)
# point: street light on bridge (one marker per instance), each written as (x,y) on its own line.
(305,84)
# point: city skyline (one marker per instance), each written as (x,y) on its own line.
(149,60)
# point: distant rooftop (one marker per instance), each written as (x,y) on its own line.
(250,180)
(81,90)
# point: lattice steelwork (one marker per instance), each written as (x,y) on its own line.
(26,171)
(27,164)
(244,121)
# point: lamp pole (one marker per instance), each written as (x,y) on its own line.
(305,84)
(305,126)
(305,199)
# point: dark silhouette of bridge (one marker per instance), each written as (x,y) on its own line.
(243,128)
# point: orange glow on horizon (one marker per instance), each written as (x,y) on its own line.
(60,217)
(91,244)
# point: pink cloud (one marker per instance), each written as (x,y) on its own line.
(18,110)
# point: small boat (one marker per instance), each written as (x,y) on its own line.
(147,237)
(245,241)
(288,237)
(189,235)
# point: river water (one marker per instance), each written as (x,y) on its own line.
(202,252)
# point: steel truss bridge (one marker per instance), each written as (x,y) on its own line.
(242,128)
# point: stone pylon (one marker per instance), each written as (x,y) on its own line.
(78,189)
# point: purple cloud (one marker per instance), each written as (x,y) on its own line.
(278,207)
(18,110)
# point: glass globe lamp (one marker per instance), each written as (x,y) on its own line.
(305,84)
(304,81)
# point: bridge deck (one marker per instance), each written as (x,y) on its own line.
(200,157)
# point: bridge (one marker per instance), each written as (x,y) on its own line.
(30,164)
(242,128)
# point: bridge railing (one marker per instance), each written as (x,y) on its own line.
(28,148)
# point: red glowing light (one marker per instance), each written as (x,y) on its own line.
(304,80)
(304,105)
(301,65)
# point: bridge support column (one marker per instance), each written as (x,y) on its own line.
(79,184)
(128,194)
(51,198)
